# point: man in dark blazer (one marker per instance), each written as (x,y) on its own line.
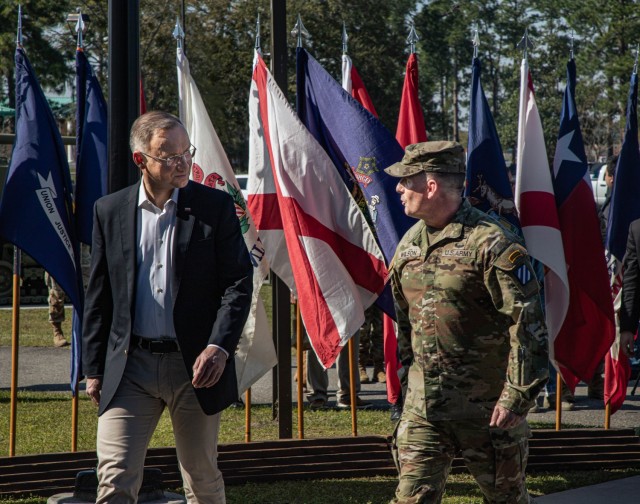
(630,306)
(168,297)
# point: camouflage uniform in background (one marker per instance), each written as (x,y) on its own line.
(471,330)
(57,296)
(56,309)
(371,348)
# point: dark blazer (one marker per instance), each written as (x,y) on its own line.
(212,286)
(630,306)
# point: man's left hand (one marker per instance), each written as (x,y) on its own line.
(208,367)
(504,418)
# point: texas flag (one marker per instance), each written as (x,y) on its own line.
(256,353)
(536,205)
(588,328)
(314,234)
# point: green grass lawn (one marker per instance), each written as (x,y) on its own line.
(44,426)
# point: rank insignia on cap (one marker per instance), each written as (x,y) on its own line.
(523,274)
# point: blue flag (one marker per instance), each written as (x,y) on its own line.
(625,204)
(91,147)
(488,186)
(359,145)
(36,205)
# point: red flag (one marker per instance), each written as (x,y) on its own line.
(306,216)
(411,128)
(352,83)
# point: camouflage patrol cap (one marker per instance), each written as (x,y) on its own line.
(440,156)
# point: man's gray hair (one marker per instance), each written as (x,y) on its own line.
(146,125)
(450,182)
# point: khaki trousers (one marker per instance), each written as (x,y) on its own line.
(150,383)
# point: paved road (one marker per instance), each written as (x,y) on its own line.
(48,369)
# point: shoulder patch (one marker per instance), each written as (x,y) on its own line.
(515,263)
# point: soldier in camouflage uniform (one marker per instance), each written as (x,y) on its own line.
(371,348)
(472,331)
(56,310)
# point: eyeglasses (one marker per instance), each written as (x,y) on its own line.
(172,161)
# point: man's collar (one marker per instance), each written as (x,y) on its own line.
(143,197)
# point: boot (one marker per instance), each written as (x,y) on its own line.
(58,335)
(595,389)
(568,399)
(379,375)
(364,377)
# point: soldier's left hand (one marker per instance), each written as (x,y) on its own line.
(208,367)
(504,418)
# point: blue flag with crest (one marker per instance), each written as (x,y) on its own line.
(36,205)
(359,145)
(91,146)
(625,204)
(488,186)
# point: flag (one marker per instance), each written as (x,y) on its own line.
(385,301)
(411,128)
(625,208)
(588,328)
(357,143)
(536,206)
(297,196)
(487,187)
(36,205)
(352,84)
(92,162)
(256,353)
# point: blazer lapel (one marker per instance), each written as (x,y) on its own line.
(184,226)
(128,220)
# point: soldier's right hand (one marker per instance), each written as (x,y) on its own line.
(94,386)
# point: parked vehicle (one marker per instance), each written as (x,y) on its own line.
(599,186)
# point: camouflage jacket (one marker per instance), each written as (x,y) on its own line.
(470,320)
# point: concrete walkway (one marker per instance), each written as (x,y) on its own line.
(47,369)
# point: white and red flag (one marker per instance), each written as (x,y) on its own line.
(352,84)
(256,353)
(536,206)
(314,234)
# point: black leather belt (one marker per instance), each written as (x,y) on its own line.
(155,346)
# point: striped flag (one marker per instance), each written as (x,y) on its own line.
(314,234)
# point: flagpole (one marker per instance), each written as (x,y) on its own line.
(300,367)
(15,337)
(15,314)
(559,386)
(247,416)
(74,399)
(352,389)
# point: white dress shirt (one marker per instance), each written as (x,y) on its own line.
(153,316)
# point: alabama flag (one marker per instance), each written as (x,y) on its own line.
(255,354)
(314,234)
(536,205)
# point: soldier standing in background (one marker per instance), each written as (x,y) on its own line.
(371,348)
(56,310)
(471,326)
(57,297)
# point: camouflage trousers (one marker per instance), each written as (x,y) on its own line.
(496,458)
(56,300)
(371,348)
